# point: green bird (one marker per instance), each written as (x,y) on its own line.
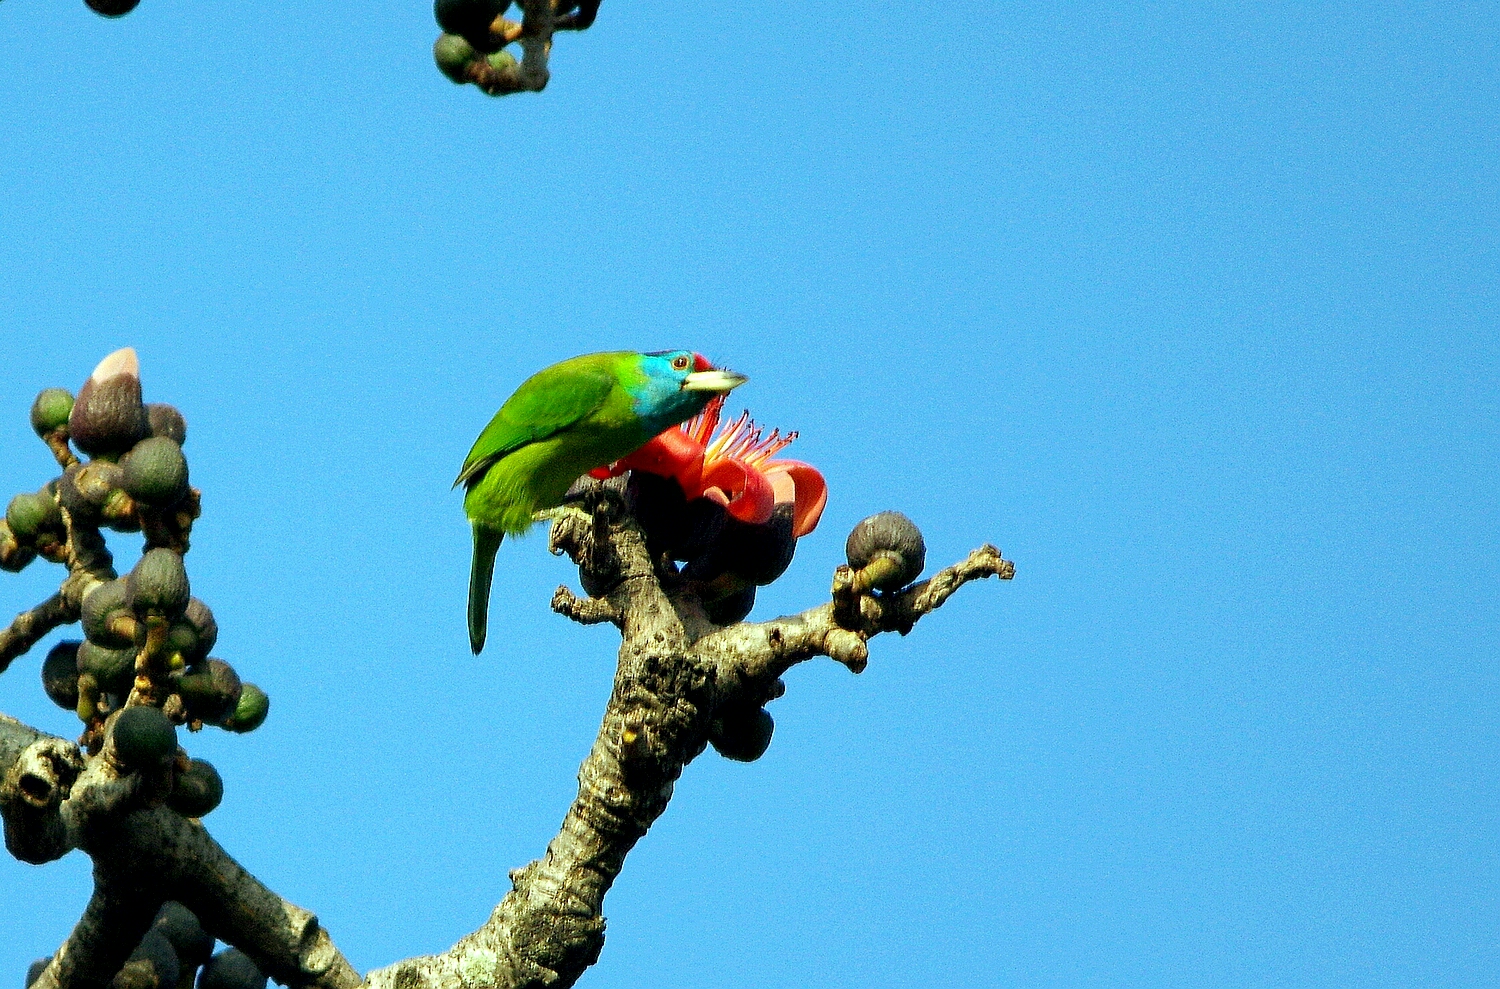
(561,423)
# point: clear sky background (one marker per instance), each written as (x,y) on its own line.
(1189,308)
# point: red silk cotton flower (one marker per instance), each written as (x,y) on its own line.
(734,469)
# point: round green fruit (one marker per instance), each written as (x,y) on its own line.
(250,713)
(112,669)
(159,584)
(210,690)
(102,604)
(155,472)
(51,409)
(28,514)
(453,55)
(164,420)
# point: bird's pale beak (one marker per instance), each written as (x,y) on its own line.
(717,380)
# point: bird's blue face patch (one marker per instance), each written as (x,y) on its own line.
(659,398)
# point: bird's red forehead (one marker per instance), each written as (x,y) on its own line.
(701,363)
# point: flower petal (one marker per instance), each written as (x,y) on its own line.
(670,454)
(751,497)
(811,497)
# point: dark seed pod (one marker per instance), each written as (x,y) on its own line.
(759,553)
(153,965)
(453,55)
(742,734)
(112,669)
(155,472)
(35,969)
(194,945)
(143,737)
(50,410)
(211,690)
(683,529)
(231,969)
(470,18)
(108,417)
(112,8)
(164,420)
(197,791)
(100,606)
(30,514)
(60,675)
(159,584)
(889,549)
(250,713)
(731,608)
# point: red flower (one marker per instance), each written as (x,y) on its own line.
(734,468)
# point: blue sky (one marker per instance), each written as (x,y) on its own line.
(1189,308)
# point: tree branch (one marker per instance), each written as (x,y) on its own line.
(676,672)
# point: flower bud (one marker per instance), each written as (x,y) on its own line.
(453,55)
(250,713)
(154,472)
(108,417)
(197,791)
(231,969)
(60,675)
(29,514)
(159,584)
(193,944)
(50,410)
(201,619)
(143,737)
(153,965)
(112,669)
(164,420)
(101,606)
(211,690)
(742,733)
(889,549)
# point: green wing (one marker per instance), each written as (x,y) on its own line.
(546,403)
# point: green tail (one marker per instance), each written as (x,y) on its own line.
(486,545)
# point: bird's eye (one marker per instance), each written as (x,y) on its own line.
(680,363)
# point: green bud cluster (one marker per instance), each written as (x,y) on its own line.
(726,559)
(144,665)
(472,47)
